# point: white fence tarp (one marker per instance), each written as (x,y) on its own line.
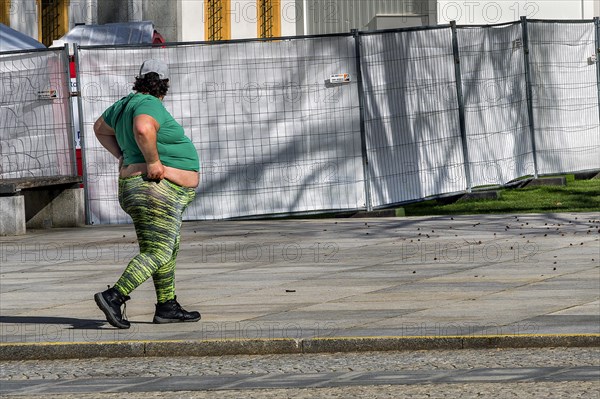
(35,120)
(494,91)
(272,134)
(565,96)
(275,137)
(411,115)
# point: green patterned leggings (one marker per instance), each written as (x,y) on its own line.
(156,209)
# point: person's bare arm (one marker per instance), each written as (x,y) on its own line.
(106,136)
(145,129)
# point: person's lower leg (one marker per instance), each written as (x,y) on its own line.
(139,269)
(168,310)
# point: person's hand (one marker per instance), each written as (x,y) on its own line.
(120,162)
(156,170)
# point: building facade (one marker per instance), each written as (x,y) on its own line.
(41,19)
(205,20)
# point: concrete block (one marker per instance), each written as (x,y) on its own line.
(54,207)
(481,195)
(448,199)
(383,213)
(593,175)
(548,181)
(12,215)
(472,196)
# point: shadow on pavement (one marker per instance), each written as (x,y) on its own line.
(73,322)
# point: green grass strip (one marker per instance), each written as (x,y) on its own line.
(576,196)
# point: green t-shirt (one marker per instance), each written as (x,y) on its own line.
(175,149)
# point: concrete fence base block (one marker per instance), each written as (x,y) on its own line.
(593,175)
(383,213)
(12,215)
(472,196)
(481,195)
(547,181)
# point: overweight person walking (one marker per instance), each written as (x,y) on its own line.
(158,172)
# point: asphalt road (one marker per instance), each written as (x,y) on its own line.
(509,373)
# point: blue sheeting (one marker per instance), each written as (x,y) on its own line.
(11,40)
(107,34)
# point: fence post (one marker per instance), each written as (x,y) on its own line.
(461,106)
(597,26)
(361,106)
(88,213)
(529,94)
(71,128)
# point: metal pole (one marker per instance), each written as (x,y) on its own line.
(71,125)
(461,106)
(361,106)
(529,94)
(597,26)
(82,135)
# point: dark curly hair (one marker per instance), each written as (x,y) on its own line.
(151,83)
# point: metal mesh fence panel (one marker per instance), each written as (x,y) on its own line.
(35,122)
(276,137)
(494,92)
(273,136)
(411,115)
(565,96)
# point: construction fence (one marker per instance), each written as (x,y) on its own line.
(36,125)
(426,112)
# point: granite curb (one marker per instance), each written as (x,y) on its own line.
(168,348)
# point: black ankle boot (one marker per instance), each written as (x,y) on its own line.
(110,302)
(172,312)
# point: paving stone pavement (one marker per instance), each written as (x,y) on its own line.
(554,390)
(300,364)
(531,373)
(401,277)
